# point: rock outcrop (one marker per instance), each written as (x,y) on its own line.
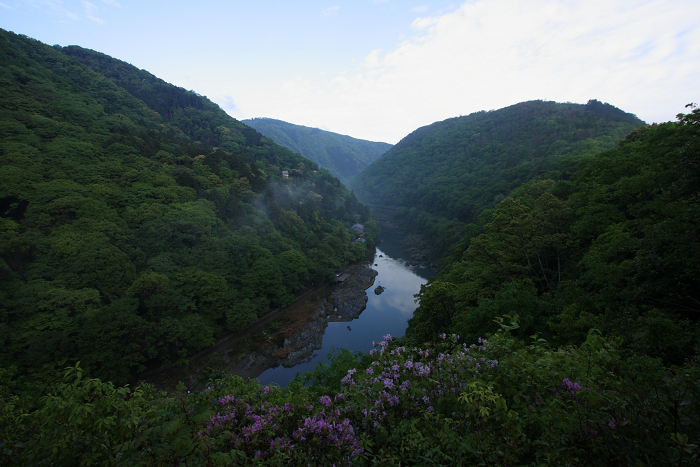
(345,303)
(350,298)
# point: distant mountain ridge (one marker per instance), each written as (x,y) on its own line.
(450,171)
(343,156)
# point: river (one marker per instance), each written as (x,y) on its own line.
(386,313)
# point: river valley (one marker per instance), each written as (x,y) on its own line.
(385,313)
(375,299)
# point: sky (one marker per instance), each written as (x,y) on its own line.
(379,69)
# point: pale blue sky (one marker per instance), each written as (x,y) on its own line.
(378,70)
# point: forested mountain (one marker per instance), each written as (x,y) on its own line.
(444,175)
(138,220)
(342,155)
(613,247)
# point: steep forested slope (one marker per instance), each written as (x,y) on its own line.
(186,112)
(342,155)
(137,219)
(126,241)
(616,247)
(443,175)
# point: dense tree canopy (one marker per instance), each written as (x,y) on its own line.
(138,220)
(343,156)
(613,247)
(442,176)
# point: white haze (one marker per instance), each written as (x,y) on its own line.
(641,56)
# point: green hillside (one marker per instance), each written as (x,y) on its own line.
(343,156)
(614,247)
(138,220)
(444,175)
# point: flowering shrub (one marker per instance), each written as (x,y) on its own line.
(272,433)
(496,402)
(403,383)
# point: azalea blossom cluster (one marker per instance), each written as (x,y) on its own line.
(399,383)
(402,383)
(266,430)
(571,387)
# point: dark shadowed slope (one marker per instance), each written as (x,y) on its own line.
(452,170)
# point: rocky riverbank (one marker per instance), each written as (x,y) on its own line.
(289,339)
(345,303)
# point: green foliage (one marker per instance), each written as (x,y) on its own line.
(138,220)
(613,248)
(442,176)
(325,377)
(343,156)
(501,402)
(292,266)
(83,420)
(438,304)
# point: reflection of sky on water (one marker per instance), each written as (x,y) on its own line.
(386,313)
(401,285)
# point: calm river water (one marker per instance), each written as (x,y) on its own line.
(386,313)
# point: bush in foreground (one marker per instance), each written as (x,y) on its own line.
(501,402)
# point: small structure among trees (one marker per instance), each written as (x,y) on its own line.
(340,279)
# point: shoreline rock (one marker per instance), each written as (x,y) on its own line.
(345,303)
(350,297)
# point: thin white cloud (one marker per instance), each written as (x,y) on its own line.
(53,6)
(420,9)
(64,9)
(642,56)
(8,7)
(90,12)
(331,11)
(372,60)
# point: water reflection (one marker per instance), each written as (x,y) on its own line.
(386,313)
